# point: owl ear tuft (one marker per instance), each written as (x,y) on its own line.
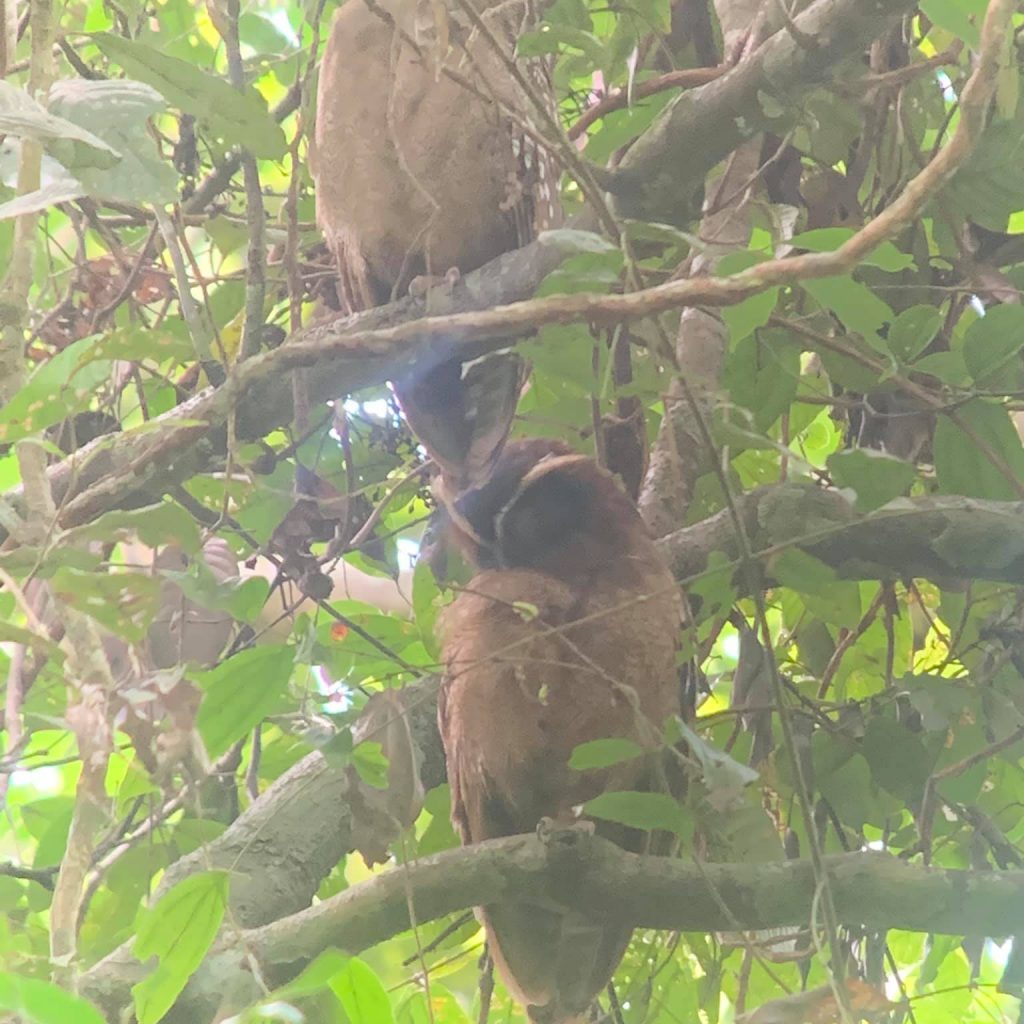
(462,414)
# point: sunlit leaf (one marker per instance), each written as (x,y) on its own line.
(34,1001)
(240,693)
(603,753)
(362,994)
(178,930)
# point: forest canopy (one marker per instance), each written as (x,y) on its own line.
(783,305)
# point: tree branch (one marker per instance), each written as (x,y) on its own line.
(581,872)
(667,163)
(932,538)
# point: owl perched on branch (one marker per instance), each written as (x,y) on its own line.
(426,163)
(567,633)
(424,160)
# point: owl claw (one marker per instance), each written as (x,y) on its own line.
(553,830)
(421,285)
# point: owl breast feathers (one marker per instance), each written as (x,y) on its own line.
(568,633)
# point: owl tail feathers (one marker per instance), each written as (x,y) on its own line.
(554,963)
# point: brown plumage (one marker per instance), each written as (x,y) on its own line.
(417,172)
(424,163)
(568,633)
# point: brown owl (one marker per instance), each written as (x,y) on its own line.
(418,171)
(567,633)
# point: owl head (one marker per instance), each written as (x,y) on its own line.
(547,508)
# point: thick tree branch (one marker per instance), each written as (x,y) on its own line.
(660,172)
(582,872)
(364,351)
(934,538)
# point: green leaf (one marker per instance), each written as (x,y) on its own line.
(23,117)
(38,1002)
(316,977)
(425,605)
(585,272)
(960,17)
(371,763)
(59,388)
(178,930)
(239,118)
(602,753)
(723,775)
(554,38)
(886,257)
(962,467)
(849,791)
(155,525)
(124,603)
(913,331)
(645,811)
(240,693)
(898,759)
(338,749)
(578,241)
(117,111)
(361,993)
(856,305)
(762,373)
(993,340)
(876,477)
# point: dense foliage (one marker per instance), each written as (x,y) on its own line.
(873,588)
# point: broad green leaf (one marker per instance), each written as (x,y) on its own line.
(554,38)
(585,272)
(241,599)
(913,331)
(833,600)
(34,1001)
(155,525)
(940,947)
(425,604)
(60,387)
(239,118)
(724,776)
(142,342)
(963,463)
(960,17)
(856,305)
(645,811)
(603,753)
(316,977)
(762,373)
(338,749)
(876,477)
(117,111)
(124,603)
(620,127)
(240,693)
(361,993)
(178,930)
(993,340)
(23,117)
(898,759)
(371,763)
(886,257)
(747,316)
(849,791)
(439,834)
(578,241)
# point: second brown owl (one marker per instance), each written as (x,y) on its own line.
(567,633)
